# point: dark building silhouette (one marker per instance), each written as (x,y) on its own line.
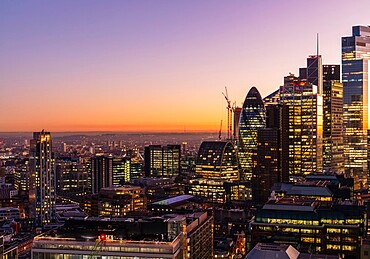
(333,148)
(101,173)
(266,164)
(270,159)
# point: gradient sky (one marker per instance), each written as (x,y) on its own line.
(155,65)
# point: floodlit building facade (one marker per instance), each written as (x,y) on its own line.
(355,69)
(305,125)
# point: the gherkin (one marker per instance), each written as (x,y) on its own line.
(252,118)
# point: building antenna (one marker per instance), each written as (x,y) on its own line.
(317,44)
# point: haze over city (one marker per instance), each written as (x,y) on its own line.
(154,65)
(184,129)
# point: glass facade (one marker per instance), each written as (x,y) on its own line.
(162,161)
(121,171)
(333,149)
(331,229)
(305,125)
(217,160)
(355,56)
(253,117)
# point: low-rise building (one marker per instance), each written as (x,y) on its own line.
(318,227)
(115,201)
(170,236)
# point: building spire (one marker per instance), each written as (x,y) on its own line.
(317,44)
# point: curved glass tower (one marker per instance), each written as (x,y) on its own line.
(252,118)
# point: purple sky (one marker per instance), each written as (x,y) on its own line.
(154,65)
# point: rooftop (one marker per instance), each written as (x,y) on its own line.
(267,251)
(296,204)
(173,200)
(282,251)
(305,188)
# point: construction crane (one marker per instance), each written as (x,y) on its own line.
(229,113)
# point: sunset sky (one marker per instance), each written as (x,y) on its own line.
(155,65)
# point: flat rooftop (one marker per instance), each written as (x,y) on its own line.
(300,204)
(173,200)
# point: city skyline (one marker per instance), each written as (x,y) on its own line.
(141,66)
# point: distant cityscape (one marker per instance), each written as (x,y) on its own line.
(288,179)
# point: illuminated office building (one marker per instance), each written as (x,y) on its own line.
(72,176)
(333,149)
(162,161)
(115,201)
(252,118)
(22,176)
(355,68)
(42,187)
(304,128)
(217,160)
(136,163)
(272,99)
(318,227)
(171,236)
(211,189)
(215,166)
(121,168)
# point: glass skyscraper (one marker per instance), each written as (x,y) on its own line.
(355,57)
(253,117)
(333,150)
(304,125)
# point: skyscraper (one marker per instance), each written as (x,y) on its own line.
(355,68)
(252,118)
(42,189)
(266,164)
(333,150)
(313,73)
(304,125)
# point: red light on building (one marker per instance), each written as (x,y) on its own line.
(103,237)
